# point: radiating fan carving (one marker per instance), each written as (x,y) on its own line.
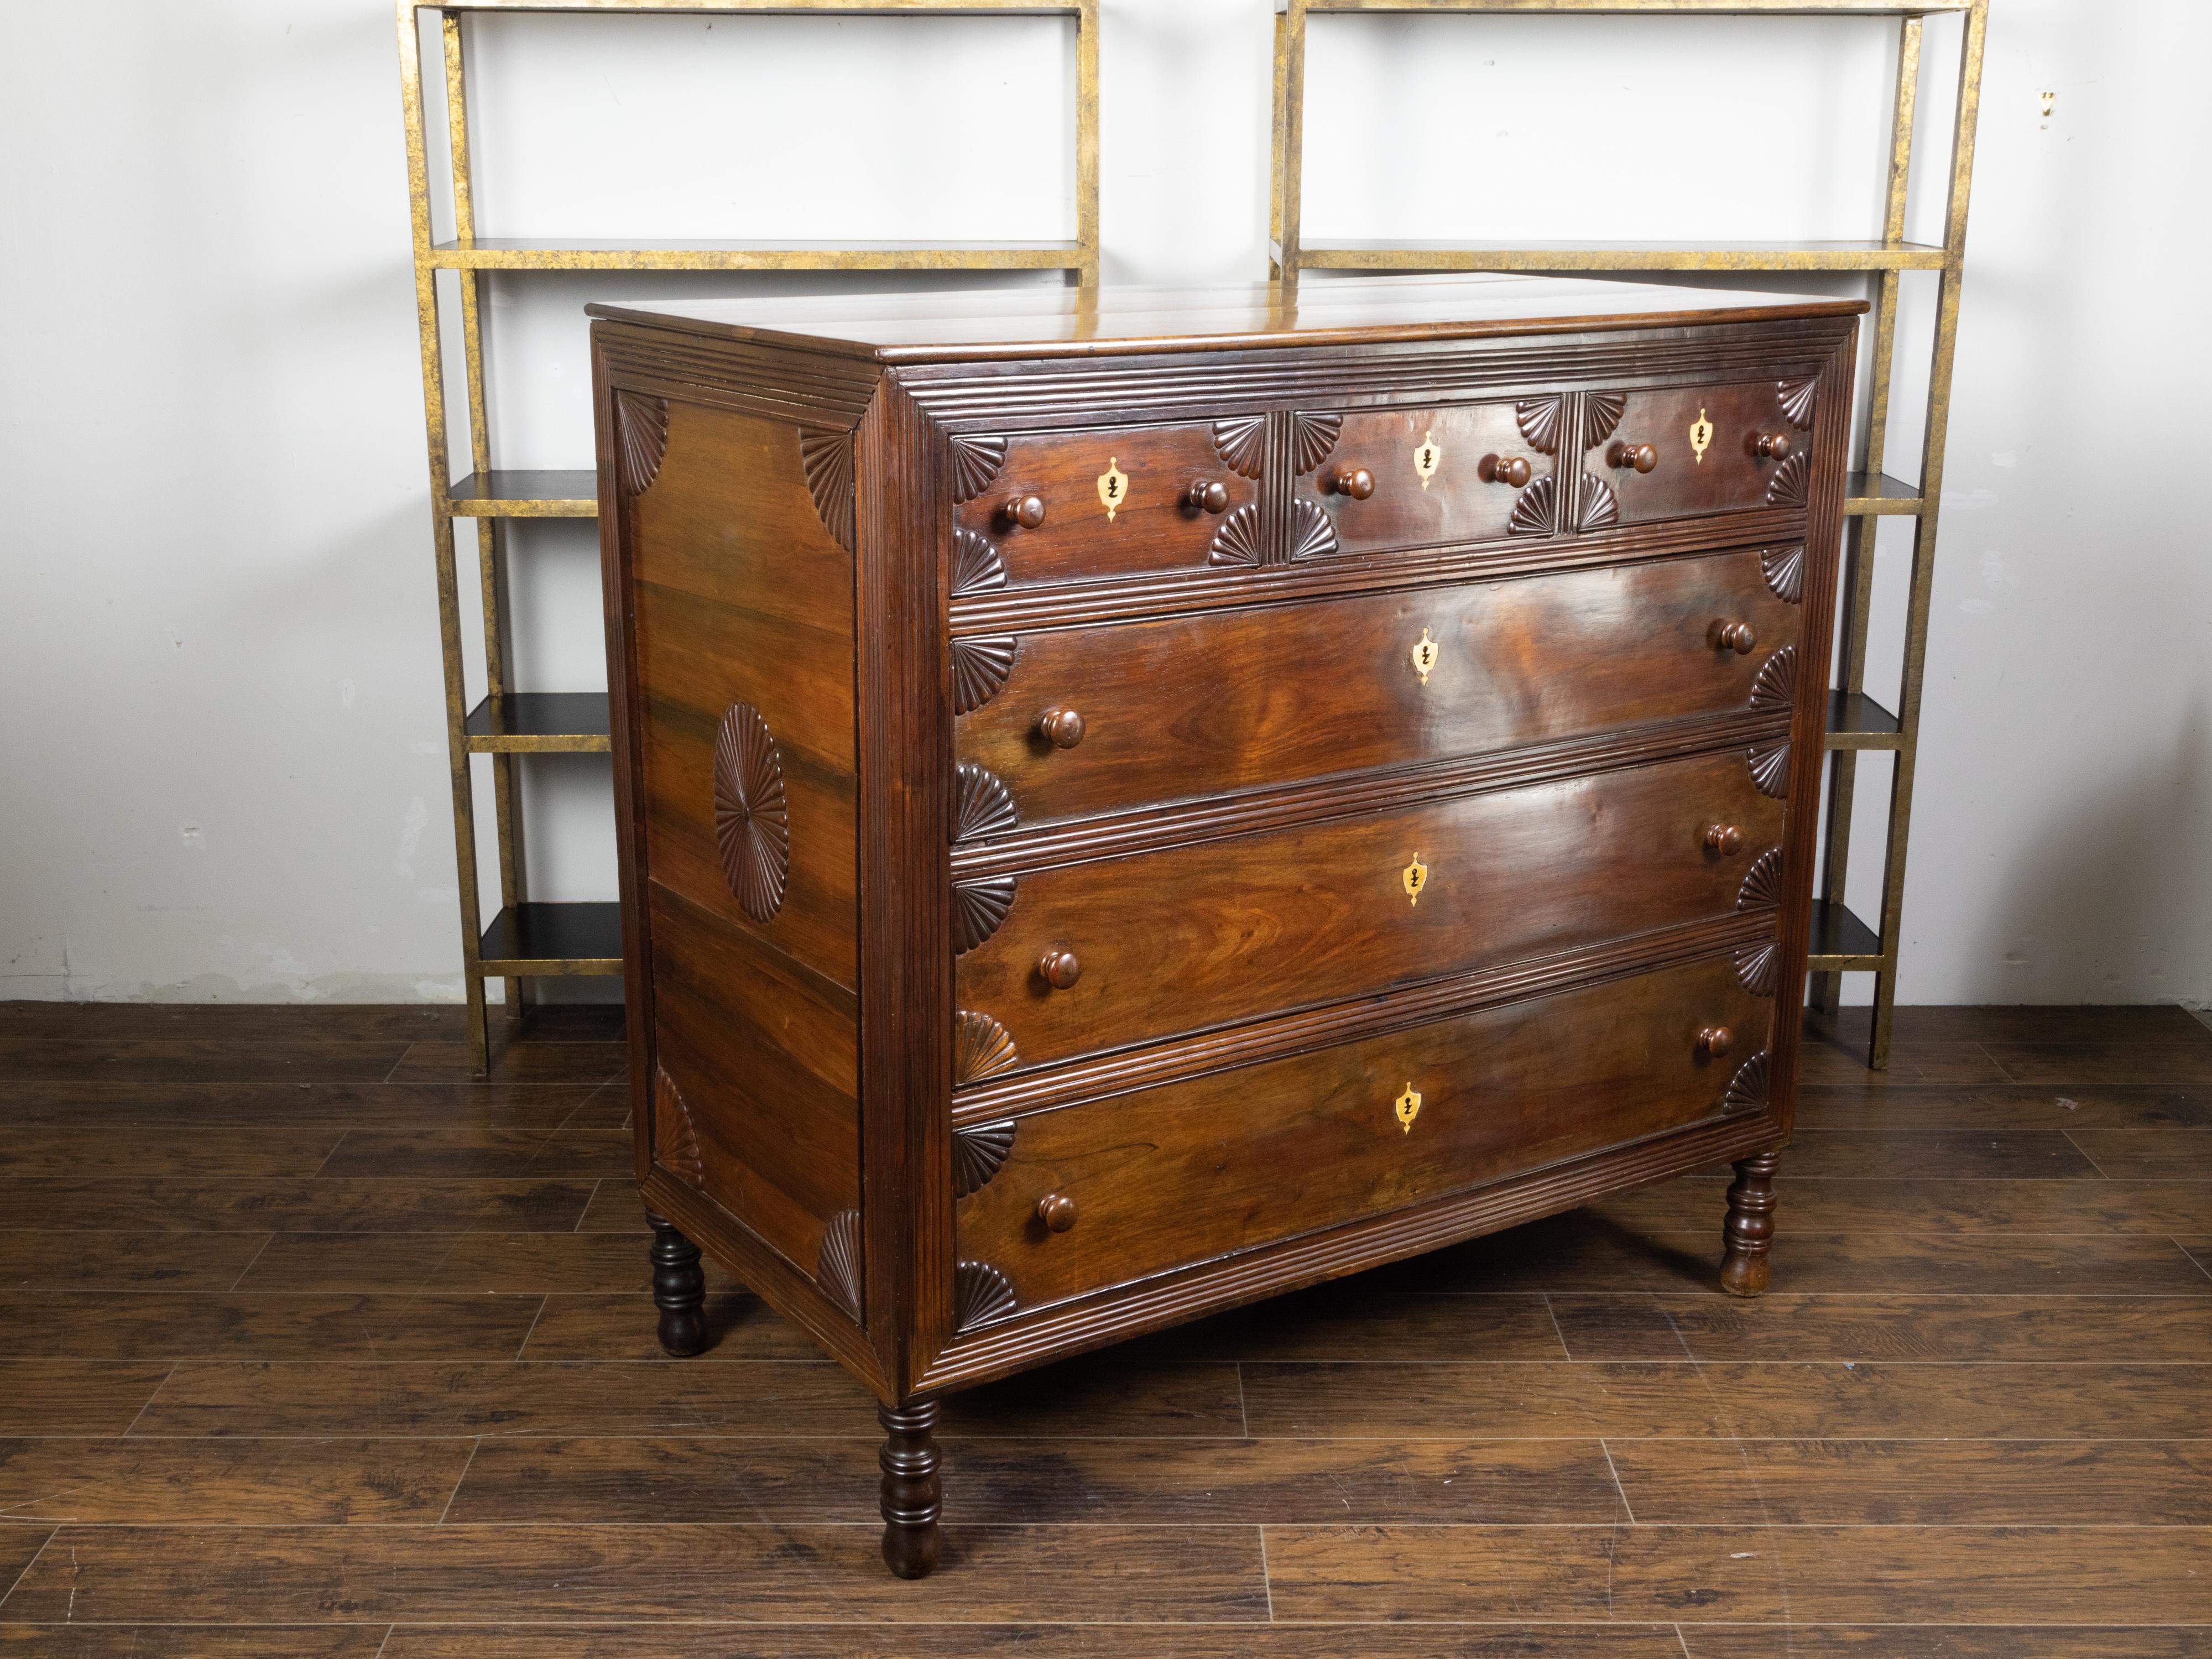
(1602,413)
(1540,423)
(1784,569)
(978,907)
(1791,484)
(837,1267)
(1758,966)
(1797,398)
(976,566)
(676,1141)
(1533,509)
(1312,436)
(751,828)
(1237,541)
(1313,533)
(982,803)
(978,1150)
(976,462)
(1241,440)
(1770,769)
(828,459)
(980,667)
(1776,685)
(1762,883)
(641,439)
(980,1294)
(1747,1090)
(1596,509)
(981,1048)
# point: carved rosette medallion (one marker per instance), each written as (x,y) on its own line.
(980,667)
(1595,506)
(1757,967)
(981,1295)
(1538,419)
(978,1151)
(838,1267)
(1241,440)
(641,439)
(675,1139)
(1534,509)
(981,1048)
(978,907)
(1312,437)
(1762,883)
(982,803)
(1770,769)
(1775,686)
(1313,533)
(1791,486)
(1600,416)
(751,830)
(976,566)
(827,457)
(976,462)
(1784,570)
(1747,1089)
(1797,398)
(1238,540)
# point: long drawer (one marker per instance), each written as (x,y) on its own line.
(1064,723)
(1090,957)
(1090,1196)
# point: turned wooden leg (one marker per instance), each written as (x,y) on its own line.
(679,1289)
(1749,1232)
(912,1494)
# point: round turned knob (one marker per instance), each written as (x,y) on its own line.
(1060,968)
(1736,637)
(1642,458)
(1504,469)
(1723,838)
(1026,511)
(1770,446)
(1057,1212)
(1356,481)
(1064,727)
(1207,495)
(1714,1041)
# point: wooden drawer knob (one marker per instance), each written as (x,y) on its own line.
(1714,1041)
(1026,512)
(1512,469)
(1356,481)
(1207,495)
(1737,636)
(1723,838)
(1064,727)
(1057,1212)
(1060,968)
(1770,446)
(1641,457)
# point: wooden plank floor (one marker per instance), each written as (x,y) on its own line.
(314,1348)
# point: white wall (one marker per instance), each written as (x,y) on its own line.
(222,738)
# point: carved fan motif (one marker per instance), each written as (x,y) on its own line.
(982,803)
(1762,883)
(641,439)
(976,566)
(1532,509)
(1757,966)
(976,462)
(1237,541)
(1312,436)
(980,667)
(750,827)
(1540,423)
(1241,440)
(1797,396)
(1748,1088)
(978,1153)
(978,907)
(1784,569)
(1776,685)
(677,1142)
(1313,533)
(1597,509)
(980,1294)
(828,459)
(981,1048)
(1602,413)
(1770,769)
(837,1267)
(1791,484)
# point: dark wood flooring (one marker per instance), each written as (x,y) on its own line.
(310,1346)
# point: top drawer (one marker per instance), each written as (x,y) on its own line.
(1677,452)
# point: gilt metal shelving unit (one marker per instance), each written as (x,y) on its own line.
(1841,942)
(528,939)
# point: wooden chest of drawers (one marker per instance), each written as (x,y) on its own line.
(1130,805)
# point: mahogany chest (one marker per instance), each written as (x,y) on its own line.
(1132,803)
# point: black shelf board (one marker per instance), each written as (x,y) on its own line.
(537,938)
(1838,932)
(1857,721)
(540,722)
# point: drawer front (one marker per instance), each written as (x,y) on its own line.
(1439,475)
(1195,705)
(1091,957)
(1758,443)
(1197,1169)
(1116,502)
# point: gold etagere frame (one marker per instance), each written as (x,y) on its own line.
(528,939)
(1841,942)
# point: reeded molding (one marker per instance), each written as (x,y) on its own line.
(978,1150)
(1595,506)
(751,828)
(1791,484)
(1798,400)
(1747,1089)
(976,566)
(981,1048)
(1241,440)
(1533,508)
(1313,533)
(981,1295)
(1239,539)
(1775,686)
(828,459)
(1758,966)
(1602,413)
(978,907)
(1770,768)
(1762,888)
(982,803)
(838,1267)
(676,1140)
(980,667)
(641,439)
(1312,437)
(976,462)
(1540,423)
(1784,570)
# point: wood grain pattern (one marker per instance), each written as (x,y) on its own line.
(1455,505)
(1727,479)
